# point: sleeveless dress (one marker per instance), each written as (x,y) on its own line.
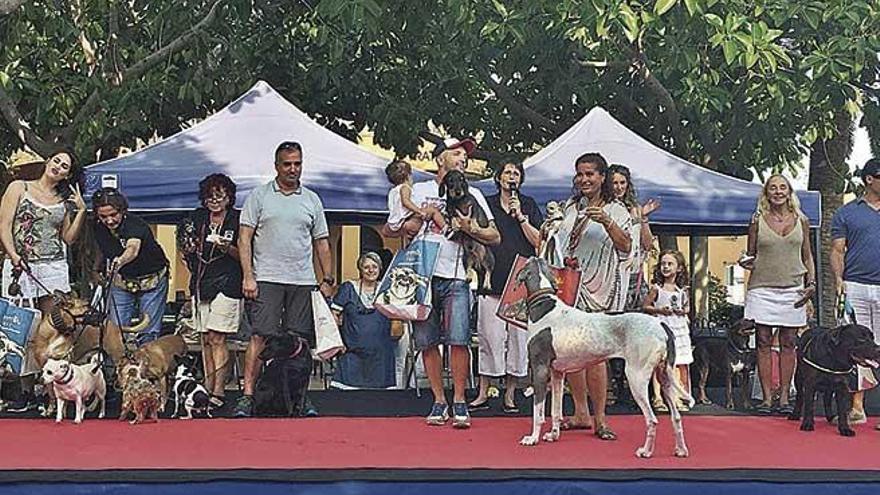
(36,233)
(677,323)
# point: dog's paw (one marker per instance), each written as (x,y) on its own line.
(529,440)
(551,436)
(644,453)
(730,405)
(681,452)
(58,421)
(77,421)
(846,432)
(807,426)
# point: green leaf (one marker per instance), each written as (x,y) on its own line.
(663,6)
(750,58)
(693,6)
(500,8)
(4,78)
(714,20)
(730,51)
(630,21)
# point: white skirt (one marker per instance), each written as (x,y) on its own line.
(774,307)
(54,275)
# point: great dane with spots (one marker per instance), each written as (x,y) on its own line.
(563,339)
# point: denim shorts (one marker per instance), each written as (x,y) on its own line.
(449,321)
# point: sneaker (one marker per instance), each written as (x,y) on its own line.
(309,409)
(244,408)
(439,414)
(460,417)
(857,417)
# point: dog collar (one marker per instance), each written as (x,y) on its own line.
(67,378)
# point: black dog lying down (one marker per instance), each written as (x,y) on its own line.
(731,357)
(825,360)
(281,388)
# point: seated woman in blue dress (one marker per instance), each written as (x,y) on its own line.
(369,358)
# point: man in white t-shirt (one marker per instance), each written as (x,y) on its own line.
(449,322)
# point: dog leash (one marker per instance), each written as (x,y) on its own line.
(822,368)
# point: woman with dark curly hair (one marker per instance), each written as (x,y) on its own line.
(208,242)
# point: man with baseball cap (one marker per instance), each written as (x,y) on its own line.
(855,234)
(449,321)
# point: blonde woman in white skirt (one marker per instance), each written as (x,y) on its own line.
(782,279)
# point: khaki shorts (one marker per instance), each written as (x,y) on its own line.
(221,315)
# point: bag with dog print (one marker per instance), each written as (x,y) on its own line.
(513,305)
(405,291)
(18,325)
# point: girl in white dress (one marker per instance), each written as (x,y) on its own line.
(400,204)
(668,300)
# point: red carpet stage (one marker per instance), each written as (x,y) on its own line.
(335,453)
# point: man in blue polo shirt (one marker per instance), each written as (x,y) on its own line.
(855,234)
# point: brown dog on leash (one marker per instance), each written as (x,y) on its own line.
(460,201)
(152,361)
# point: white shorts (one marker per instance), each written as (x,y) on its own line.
(865,302)
(503,347)
(222,315)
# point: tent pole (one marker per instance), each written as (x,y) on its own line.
(817,261)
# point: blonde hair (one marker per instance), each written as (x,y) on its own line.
(793,203)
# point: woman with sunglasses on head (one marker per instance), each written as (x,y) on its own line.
(131,254)
(207,240)
(39,219)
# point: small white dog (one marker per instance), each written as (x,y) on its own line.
(73,382)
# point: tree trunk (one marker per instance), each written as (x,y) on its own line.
(827,175)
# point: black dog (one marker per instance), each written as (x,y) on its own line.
(281,389)
(731,357)
(825,360)
(458,200)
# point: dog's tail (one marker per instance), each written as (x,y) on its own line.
(96,361)
(667,374)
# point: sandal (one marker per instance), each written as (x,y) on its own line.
(785,409)
(216,401)
(568,424)
(511,409)
(764,409)
(482,406)
(605,433)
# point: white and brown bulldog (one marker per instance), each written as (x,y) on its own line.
(563,339)
(76,383)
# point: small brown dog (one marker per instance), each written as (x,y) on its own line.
(459,200)
(141,398)
(152,361)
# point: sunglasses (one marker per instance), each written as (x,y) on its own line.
(289,145)
(103,195)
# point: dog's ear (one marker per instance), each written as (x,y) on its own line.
(442,190)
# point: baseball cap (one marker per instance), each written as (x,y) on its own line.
(452,143)
(872,167)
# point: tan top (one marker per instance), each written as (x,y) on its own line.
(778,261)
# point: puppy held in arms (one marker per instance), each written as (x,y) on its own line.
(76,383)
(460,202)
(563,339)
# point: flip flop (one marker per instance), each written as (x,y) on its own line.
(605,433)
(785,409)
(511,409)
(764,410)
(482,406)
(568,424)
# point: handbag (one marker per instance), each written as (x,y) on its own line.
(18,325)
(327,338)
(405,291)
(513,306)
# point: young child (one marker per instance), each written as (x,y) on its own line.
(668,300)
(400,203)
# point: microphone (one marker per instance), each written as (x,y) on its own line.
(514,193)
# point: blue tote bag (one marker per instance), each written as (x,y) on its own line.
(405,291)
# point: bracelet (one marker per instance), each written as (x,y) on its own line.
(329,280)
(523,219)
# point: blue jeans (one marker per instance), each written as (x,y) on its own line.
(152,305)
(450,319)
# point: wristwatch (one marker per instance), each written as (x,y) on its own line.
(329,280)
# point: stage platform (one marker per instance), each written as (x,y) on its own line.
(729,454)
